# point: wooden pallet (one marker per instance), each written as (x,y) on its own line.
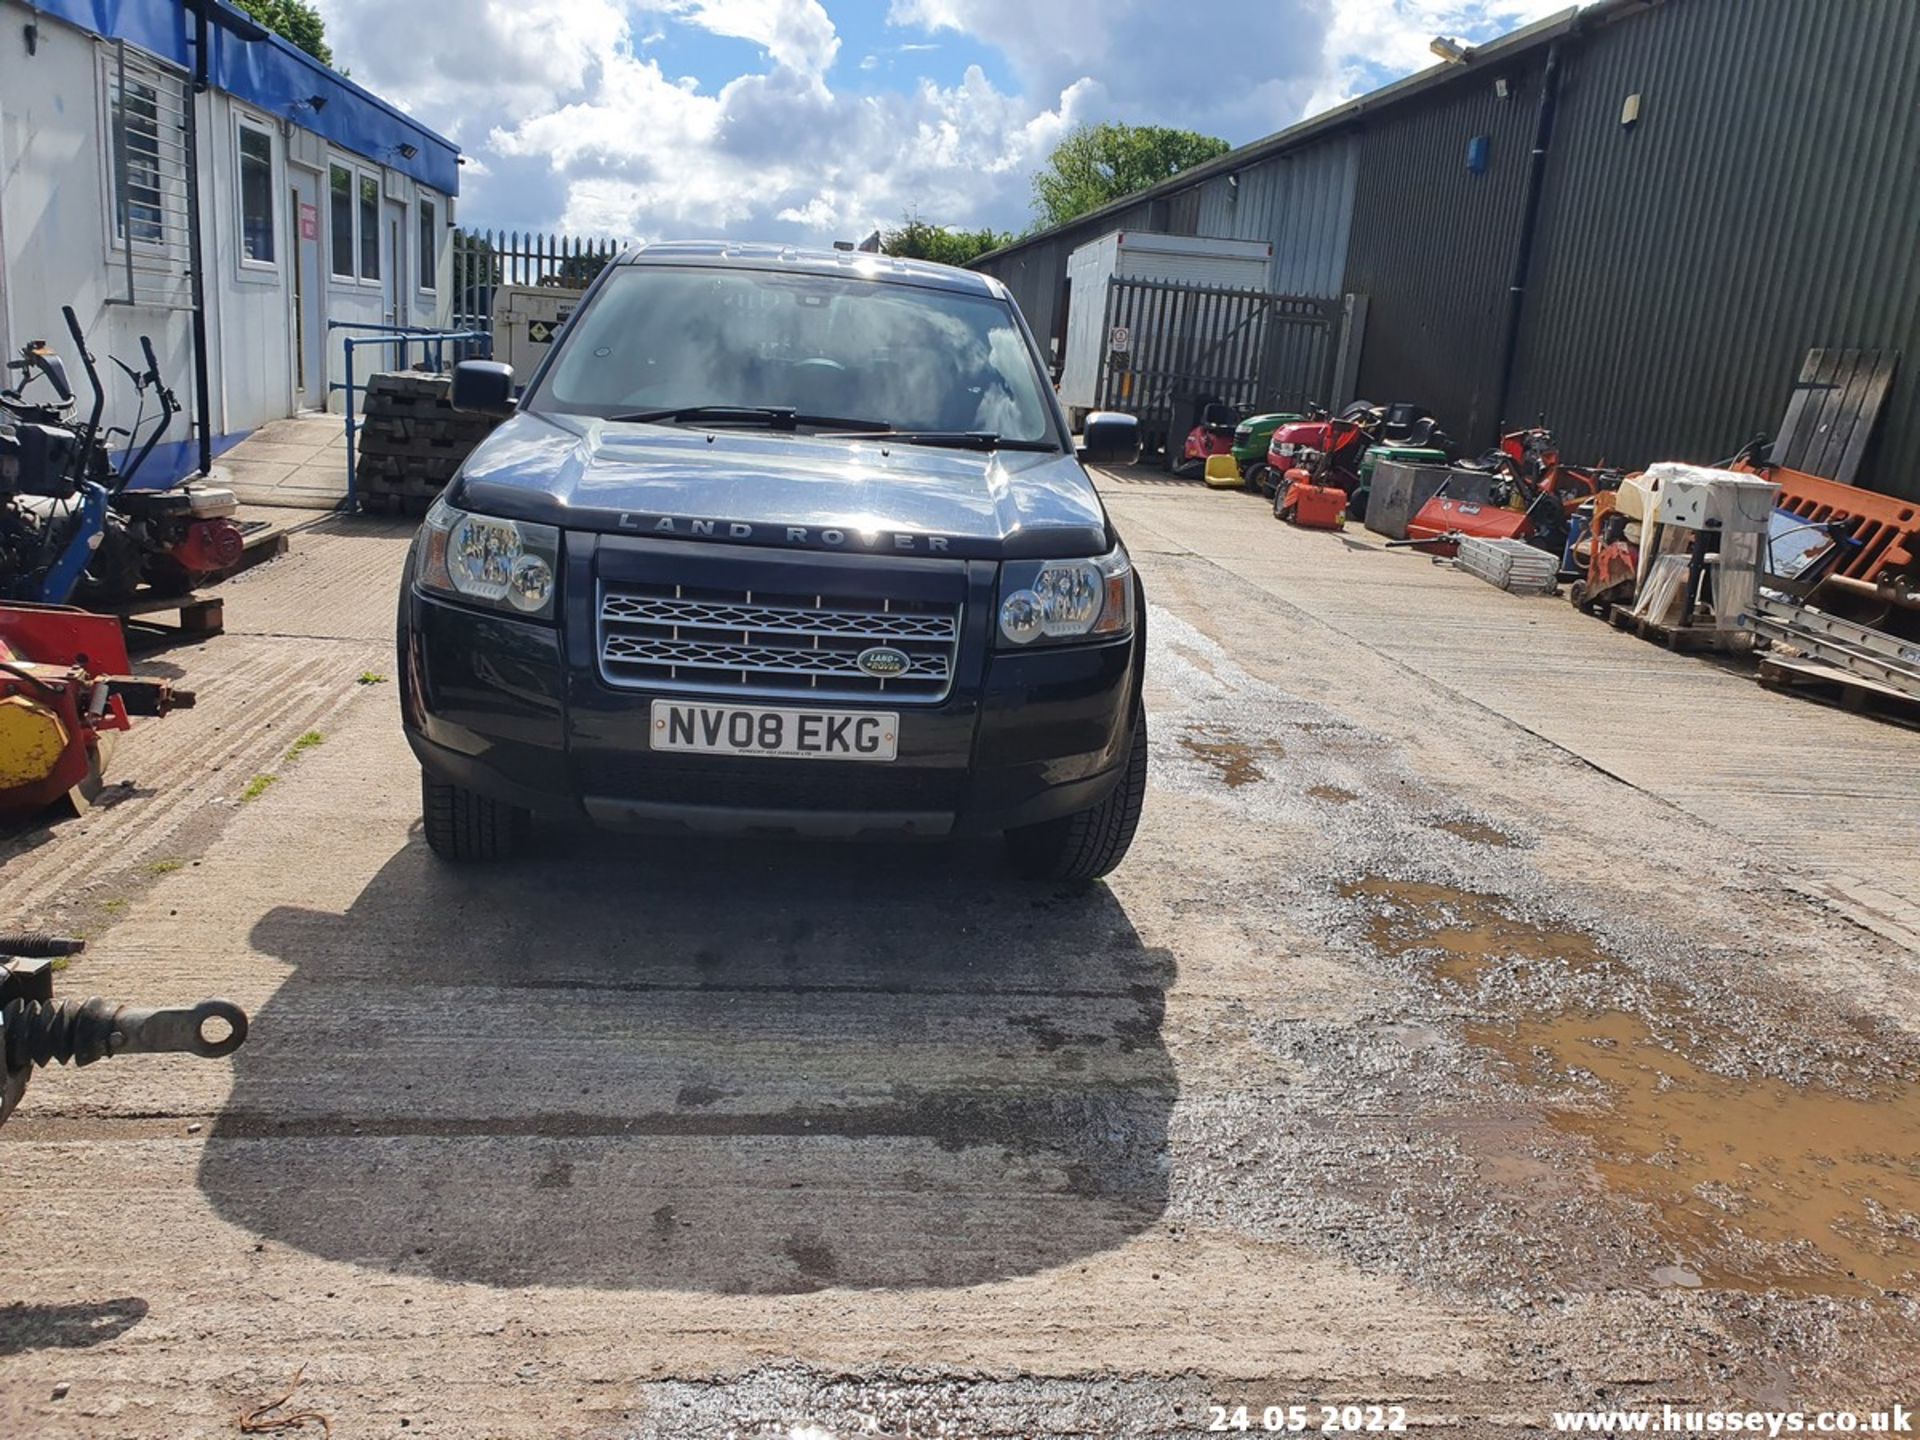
(1678,637)
(201,617)
(1815,680)
(263,541)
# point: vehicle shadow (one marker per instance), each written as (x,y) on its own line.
(741,1068)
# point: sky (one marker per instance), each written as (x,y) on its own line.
(808,121)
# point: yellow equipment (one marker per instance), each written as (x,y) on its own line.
(1223,472)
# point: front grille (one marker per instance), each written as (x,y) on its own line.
(683,637)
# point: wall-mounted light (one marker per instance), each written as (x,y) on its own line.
(1501,90)
(1451,51)
(407,152)
(1630,112)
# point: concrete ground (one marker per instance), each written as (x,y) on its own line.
(1496,1015)
(297,463)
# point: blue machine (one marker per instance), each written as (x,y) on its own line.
(57,586)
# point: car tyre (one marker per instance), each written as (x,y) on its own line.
(465,826)
(1091,843)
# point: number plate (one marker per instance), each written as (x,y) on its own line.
(781,734)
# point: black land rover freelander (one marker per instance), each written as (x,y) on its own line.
(780,541)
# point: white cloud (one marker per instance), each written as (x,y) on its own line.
(1371,36)
(796,34)
(498,58)
(570,117)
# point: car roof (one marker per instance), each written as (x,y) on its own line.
(799,259)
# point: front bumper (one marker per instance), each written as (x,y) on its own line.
(519,712)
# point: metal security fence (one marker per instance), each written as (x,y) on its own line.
(484,260)
(1170,343)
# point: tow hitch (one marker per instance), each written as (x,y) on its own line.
(36,1030)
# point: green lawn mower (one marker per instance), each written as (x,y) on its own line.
(1251,439)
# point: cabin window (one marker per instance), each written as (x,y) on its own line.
(340,199)
(369,226)
(429,244)
(256,195)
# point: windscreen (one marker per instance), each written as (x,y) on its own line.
(906,356)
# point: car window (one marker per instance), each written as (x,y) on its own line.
(915,358)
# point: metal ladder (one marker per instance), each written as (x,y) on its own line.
(1858,650)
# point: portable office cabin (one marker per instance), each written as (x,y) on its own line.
(1140,255)
(316,201)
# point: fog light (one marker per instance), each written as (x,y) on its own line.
(530,583)
(1021,618)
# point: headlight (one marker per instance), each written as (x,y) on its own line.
(1055,600)
(1285,449)
(1243,434)
(506,565)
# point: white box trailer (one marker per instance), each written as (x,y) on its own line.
(1195,260)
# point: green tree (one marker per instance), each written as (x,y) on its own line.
(578,270)
(297,21)
(919,239)
(1095,164)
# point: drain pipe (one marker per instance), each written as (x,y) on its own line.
(206,13)
(1529,228)
(196,247)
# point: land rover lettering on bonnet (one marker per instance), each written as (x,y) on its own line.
(780,541)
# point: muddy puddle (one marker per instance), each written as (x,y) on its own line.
(1476,832)
(1236,761)
(1466,933)
(1751,1183)
(1755,1183)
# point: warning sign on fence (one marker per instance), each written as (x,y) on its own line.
(1120,339)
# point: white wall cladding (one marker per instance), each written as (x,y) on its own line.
(57,241)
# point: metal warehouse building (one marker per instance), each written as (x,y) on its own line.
(1724,185)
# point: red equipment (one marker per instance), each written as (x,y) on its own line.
(1335,467)
(1441,522)
(209,550)
(1329,448)
(64,686)
(1314,507)
(1212,436)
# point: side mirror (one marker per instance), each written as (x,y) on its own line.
(1110,438)
(484,387)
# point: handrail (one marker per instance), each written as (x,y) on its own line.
(431,348)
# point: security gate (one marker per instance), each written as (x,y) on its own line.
(1171,345)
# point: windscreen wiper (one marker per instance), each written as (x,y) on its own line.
(774,417)
(950,439)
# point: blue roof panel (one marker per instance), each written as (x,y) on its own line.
(276,75)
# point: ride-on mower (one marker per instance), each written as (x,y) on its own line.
(1350,439)
(66,688)
(1223,431)
(1212,436)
